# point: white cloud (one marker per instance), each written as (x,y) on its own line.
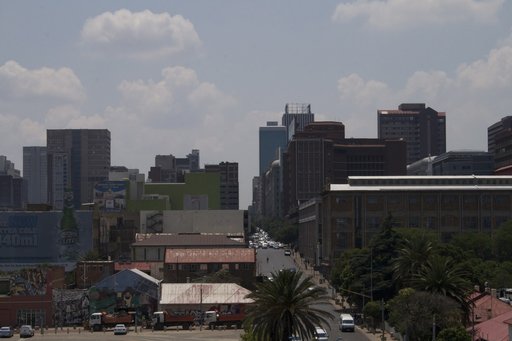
(495,71)
(399,14)
(139,34)
(179,94)
(17,82)
(476,96)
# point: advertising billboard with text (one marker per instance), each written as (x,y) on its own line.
(44,237)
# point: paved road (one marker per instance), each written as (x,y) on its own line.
(145,335)
(276,261)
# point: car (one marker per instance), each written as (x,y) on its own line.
(120,329)
(6,332)
(321,334)
(287,252)
(26,330)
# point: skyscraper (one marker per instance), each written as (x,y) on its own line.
(35,173)
(77,159)
(424,129)
(271,138)
(296,116)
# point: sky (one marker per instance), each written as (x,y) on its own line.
(166,77)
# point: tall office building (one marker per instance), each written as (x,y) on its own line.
(171,169)
(499,142)
(13,189)
(296,116)
(423,128)
(271,138)
(321,155)
(77,159)
(229,187)
(35,173)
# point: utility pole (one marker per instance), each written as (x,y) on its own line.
(434,328)
(382,316)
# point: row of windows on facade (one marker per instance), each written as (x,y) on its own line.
(212,266)
(446,200)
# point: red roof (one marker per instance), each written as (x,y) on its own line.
(487,307)
(220,255)
(495,329)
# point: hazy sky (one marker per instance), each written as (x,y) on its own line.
(166,77)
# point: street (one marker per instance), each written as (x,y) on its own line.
(276,261)
(145,335)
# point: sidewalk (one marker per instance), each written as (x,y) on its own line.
(336,297)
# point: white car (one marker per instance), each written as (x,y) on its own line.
(6,332)
(120,329)
(26,330)
(321,334)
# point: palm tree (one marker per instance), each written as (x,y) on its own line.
(411,257)
(285,306)
(440,275)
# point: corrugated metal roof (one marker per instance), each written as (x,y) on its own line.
(185,240)
(217,255)
(205,293)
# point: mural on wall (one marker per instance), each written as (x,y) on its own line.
(28,282)
(125,291)
(71,307)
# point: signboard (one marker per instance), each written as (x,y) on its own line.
(110,196)
(44,237)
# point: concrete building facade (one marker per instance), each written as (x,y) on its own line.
(447,205)
(423,128)
(78,159)
(321,155)
(35,173)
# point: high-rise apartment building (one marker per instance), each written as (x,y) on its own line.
(35,173)
(271,139)
(499,142)
(296,116)
(229,187)
(77,159)
(423,128)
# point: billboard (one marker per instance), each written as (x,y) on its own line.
(110,196)
(44,237)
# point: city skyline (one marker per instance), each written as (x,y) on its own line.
(169,77)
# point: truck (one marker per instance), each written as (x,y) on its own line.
(213,319)
(103,320)
(162,319)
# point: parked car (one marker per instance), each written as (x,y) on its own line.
(120,329)
(6,332)
(287,252)
(26,330)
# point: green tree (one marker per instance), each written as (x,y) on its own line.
(287,306)
(411,257)
(477,245)
(412,313)
(383,252)
(502,242)
(441,275)
(372,310)
(454,334)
